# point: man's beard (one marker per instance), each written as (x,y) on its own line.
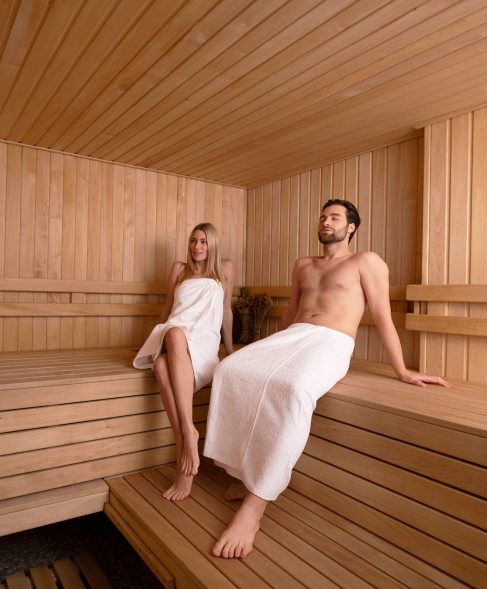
(335,237)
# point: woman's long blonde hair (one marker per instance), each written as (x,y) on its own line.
(213,262)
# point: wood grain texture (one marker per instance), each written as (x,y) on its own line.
(76,228)
(454,261)
(244,92)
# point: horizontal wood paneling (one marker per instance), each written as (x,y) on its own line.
(65,220)
(385,185)
(454,234)
(237,91)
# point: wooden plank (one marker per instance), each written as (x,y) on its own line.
(473,326)
(42,578)
(79,310)
(67,574)
(477,367)
(17,581)
(50,458)
(35,500)
(54,506)
(147,555)
(91,571)
(457,293)
(78,473)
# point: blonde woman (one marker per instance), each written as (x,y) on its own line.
(183,348)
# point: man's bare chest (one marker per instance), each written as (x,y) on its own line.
(321,278)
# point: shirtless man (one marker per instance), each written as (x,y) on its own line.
(328,291)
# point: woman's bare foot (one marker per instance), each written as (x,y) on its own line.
(190,459)
(238,539)
(180,489)
(235,492)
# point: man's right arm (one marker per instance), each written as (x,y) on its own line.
(293,302)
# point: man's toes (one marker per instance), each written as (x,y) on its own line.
(228,551)
(217,549)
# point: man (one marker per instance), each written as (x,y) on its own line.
(263,396)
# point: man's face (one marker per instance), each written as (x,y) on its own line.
(333,226)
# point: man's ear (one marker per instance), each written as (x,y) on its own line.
(351,228)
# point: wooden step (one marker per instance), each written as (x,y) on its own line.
(299,543)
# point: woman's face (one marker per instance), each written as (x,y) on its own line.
(199,246)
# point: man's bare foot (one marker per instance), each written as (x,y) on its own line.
(190,460)
(238,539)
(180,489)
(235,492)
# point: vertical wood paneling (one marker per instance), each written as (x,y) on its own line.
(3,202)
(27,219)
(459,236)
(362,237)
(388,205)
(12,239)
(477,367)
(378,232)
(67,217)
(455,217)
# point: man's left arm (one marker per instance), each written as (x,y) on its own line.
(374,276)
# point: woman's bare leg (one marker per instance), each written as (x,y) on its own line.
(182,380)
(182,485)
(238,539)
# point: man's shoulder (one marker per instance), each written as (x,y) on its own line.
(368,258)
(306,260)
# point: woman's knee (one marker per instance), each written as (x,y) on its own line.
(176,339)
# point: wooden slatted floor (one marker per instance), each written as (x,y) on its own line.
(83,572)
(301,543)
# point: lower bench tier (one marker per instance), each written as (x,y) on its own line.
(301,543)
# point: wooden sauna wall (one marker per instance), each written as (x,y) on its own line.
(385,185)
(455,229)
(68,217)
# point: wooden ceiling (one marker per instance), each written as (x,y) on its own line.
(234,91)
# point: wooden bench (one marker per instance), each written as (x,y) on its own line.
(391,491)
(69,419)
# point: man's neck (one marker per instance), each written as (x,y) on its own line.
(336,250)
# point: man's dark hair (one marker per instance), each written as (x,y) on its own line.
(352,213)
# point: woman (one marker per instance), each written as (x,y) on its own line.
(183,348)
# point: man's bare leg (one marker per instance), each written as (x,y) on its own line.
(181,487)
(236,492)
(238,539)
(182,379)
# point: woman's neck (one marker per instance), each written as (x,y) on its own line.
(200,269)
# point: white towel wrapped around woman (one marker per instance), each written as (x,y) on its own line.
(198,311)
(262,401)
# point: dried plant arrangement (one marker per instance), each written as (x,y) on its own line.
(249,312)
